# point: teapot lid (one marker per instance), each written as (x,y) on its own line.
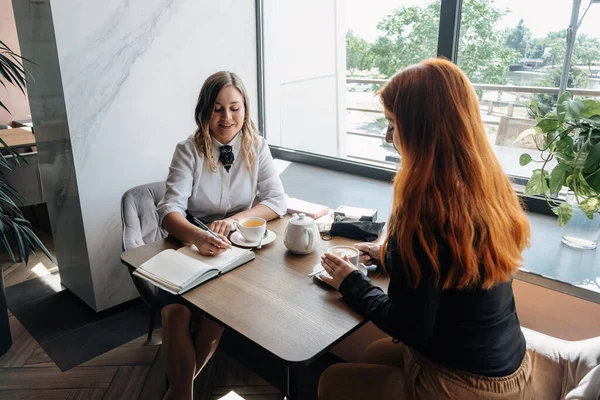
(301,220)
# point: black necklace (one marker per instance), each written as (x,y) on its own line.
(226,157)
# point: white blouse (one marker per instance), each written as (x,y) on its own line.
(210,196)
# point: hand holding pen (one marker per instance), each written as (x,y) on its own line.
(210,243)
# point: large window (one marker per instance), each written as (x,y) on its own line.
(325,59)
(513,51)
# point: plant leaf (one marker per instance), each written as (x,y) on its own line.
(590,108)
(526,133)
(564,146)
(562,106)
(8,248)
(564,212)
(593,121)
(558,176)
(590,206)
(524,159)
(574,110)
(592,162)
(23,253)
(582,188)
(38,243)
(594,182)
(548,125)
(537,183)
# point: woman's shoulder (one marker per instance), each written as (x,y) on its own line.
(261,142)
(187,146)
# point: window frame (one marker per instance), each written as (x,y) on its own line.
(448,40)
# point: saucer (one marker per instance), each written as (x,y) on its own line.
(324,273)
(237,239)
(361,267)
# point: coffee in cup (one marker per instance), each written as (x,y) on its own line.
(251,228)
(348,251)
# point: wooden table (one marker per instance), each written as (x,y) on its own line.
(17,138)
(273,302)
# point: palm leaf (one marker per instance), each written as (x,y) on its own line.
(5,243)
(3,106)
(11,73)
(16,156)
(13,192)
(37,243)
(23,254)
(8,202)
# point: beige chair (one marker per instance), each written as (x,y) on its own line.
(510,128)
(561,370)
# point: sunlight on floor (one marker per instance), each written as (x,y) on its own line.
(231,396)
(40,270)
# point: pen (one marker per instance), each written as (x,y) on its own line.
(202,226)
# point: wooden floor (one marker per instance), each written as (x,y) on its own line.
(132,371)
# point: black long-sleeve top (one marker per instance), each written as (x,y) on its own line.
(474,330)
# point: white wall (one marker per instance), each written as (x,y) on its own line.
(131,72)
(305,56)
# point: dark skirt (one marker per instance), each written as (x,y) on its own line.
(165,298)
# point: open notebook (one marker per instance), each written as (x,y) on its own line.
(178,271)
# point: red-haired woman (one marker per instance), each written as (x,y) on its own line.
(454,242)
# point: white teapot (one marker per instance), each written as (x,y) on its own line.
(301,234)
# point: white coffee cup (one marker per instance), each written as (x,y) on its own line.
(251,228)
(351,252)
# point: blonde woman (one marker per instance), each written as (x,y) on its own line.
(216,175)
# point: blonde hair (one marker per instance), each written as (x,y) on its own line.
(203,112)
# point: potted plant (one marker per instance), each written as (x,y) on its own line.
(16,235)
(570,135)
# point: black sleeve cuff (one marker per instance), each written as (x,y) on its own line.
(353,285)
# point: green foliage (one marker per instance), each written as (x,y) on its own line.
(407,36)
(14,228)
(564,212)
(11,70)
(587,50)
(518,38)
(570,132)
(410,34)
(545,102)
(358,53)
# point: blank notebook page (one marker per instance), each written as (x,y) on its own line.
(175,267)
(222,262)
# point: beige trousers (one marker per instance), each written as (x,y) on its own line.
(394,371)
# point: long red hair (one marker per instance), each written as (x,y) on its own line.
(450,187)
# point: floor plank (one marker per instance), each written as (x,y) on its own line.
(156,382)
(245,390)
(53,378)
(86,394)
(59,394)
(125,355)
(39,359)
(128,383)
(24,346)
(143,340)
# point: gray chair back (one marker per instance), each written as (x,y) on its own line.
(140,226)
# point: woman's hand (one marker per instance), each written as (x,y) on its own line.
(338,268)
(209,246)
(223,226)
(369,253)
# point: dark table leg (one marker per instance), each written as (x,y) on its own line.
(291,384)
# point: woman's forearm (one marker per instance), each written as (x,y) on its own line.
(181,228)
(259,210)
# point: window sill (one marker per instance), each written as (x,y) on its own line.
(547,262)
